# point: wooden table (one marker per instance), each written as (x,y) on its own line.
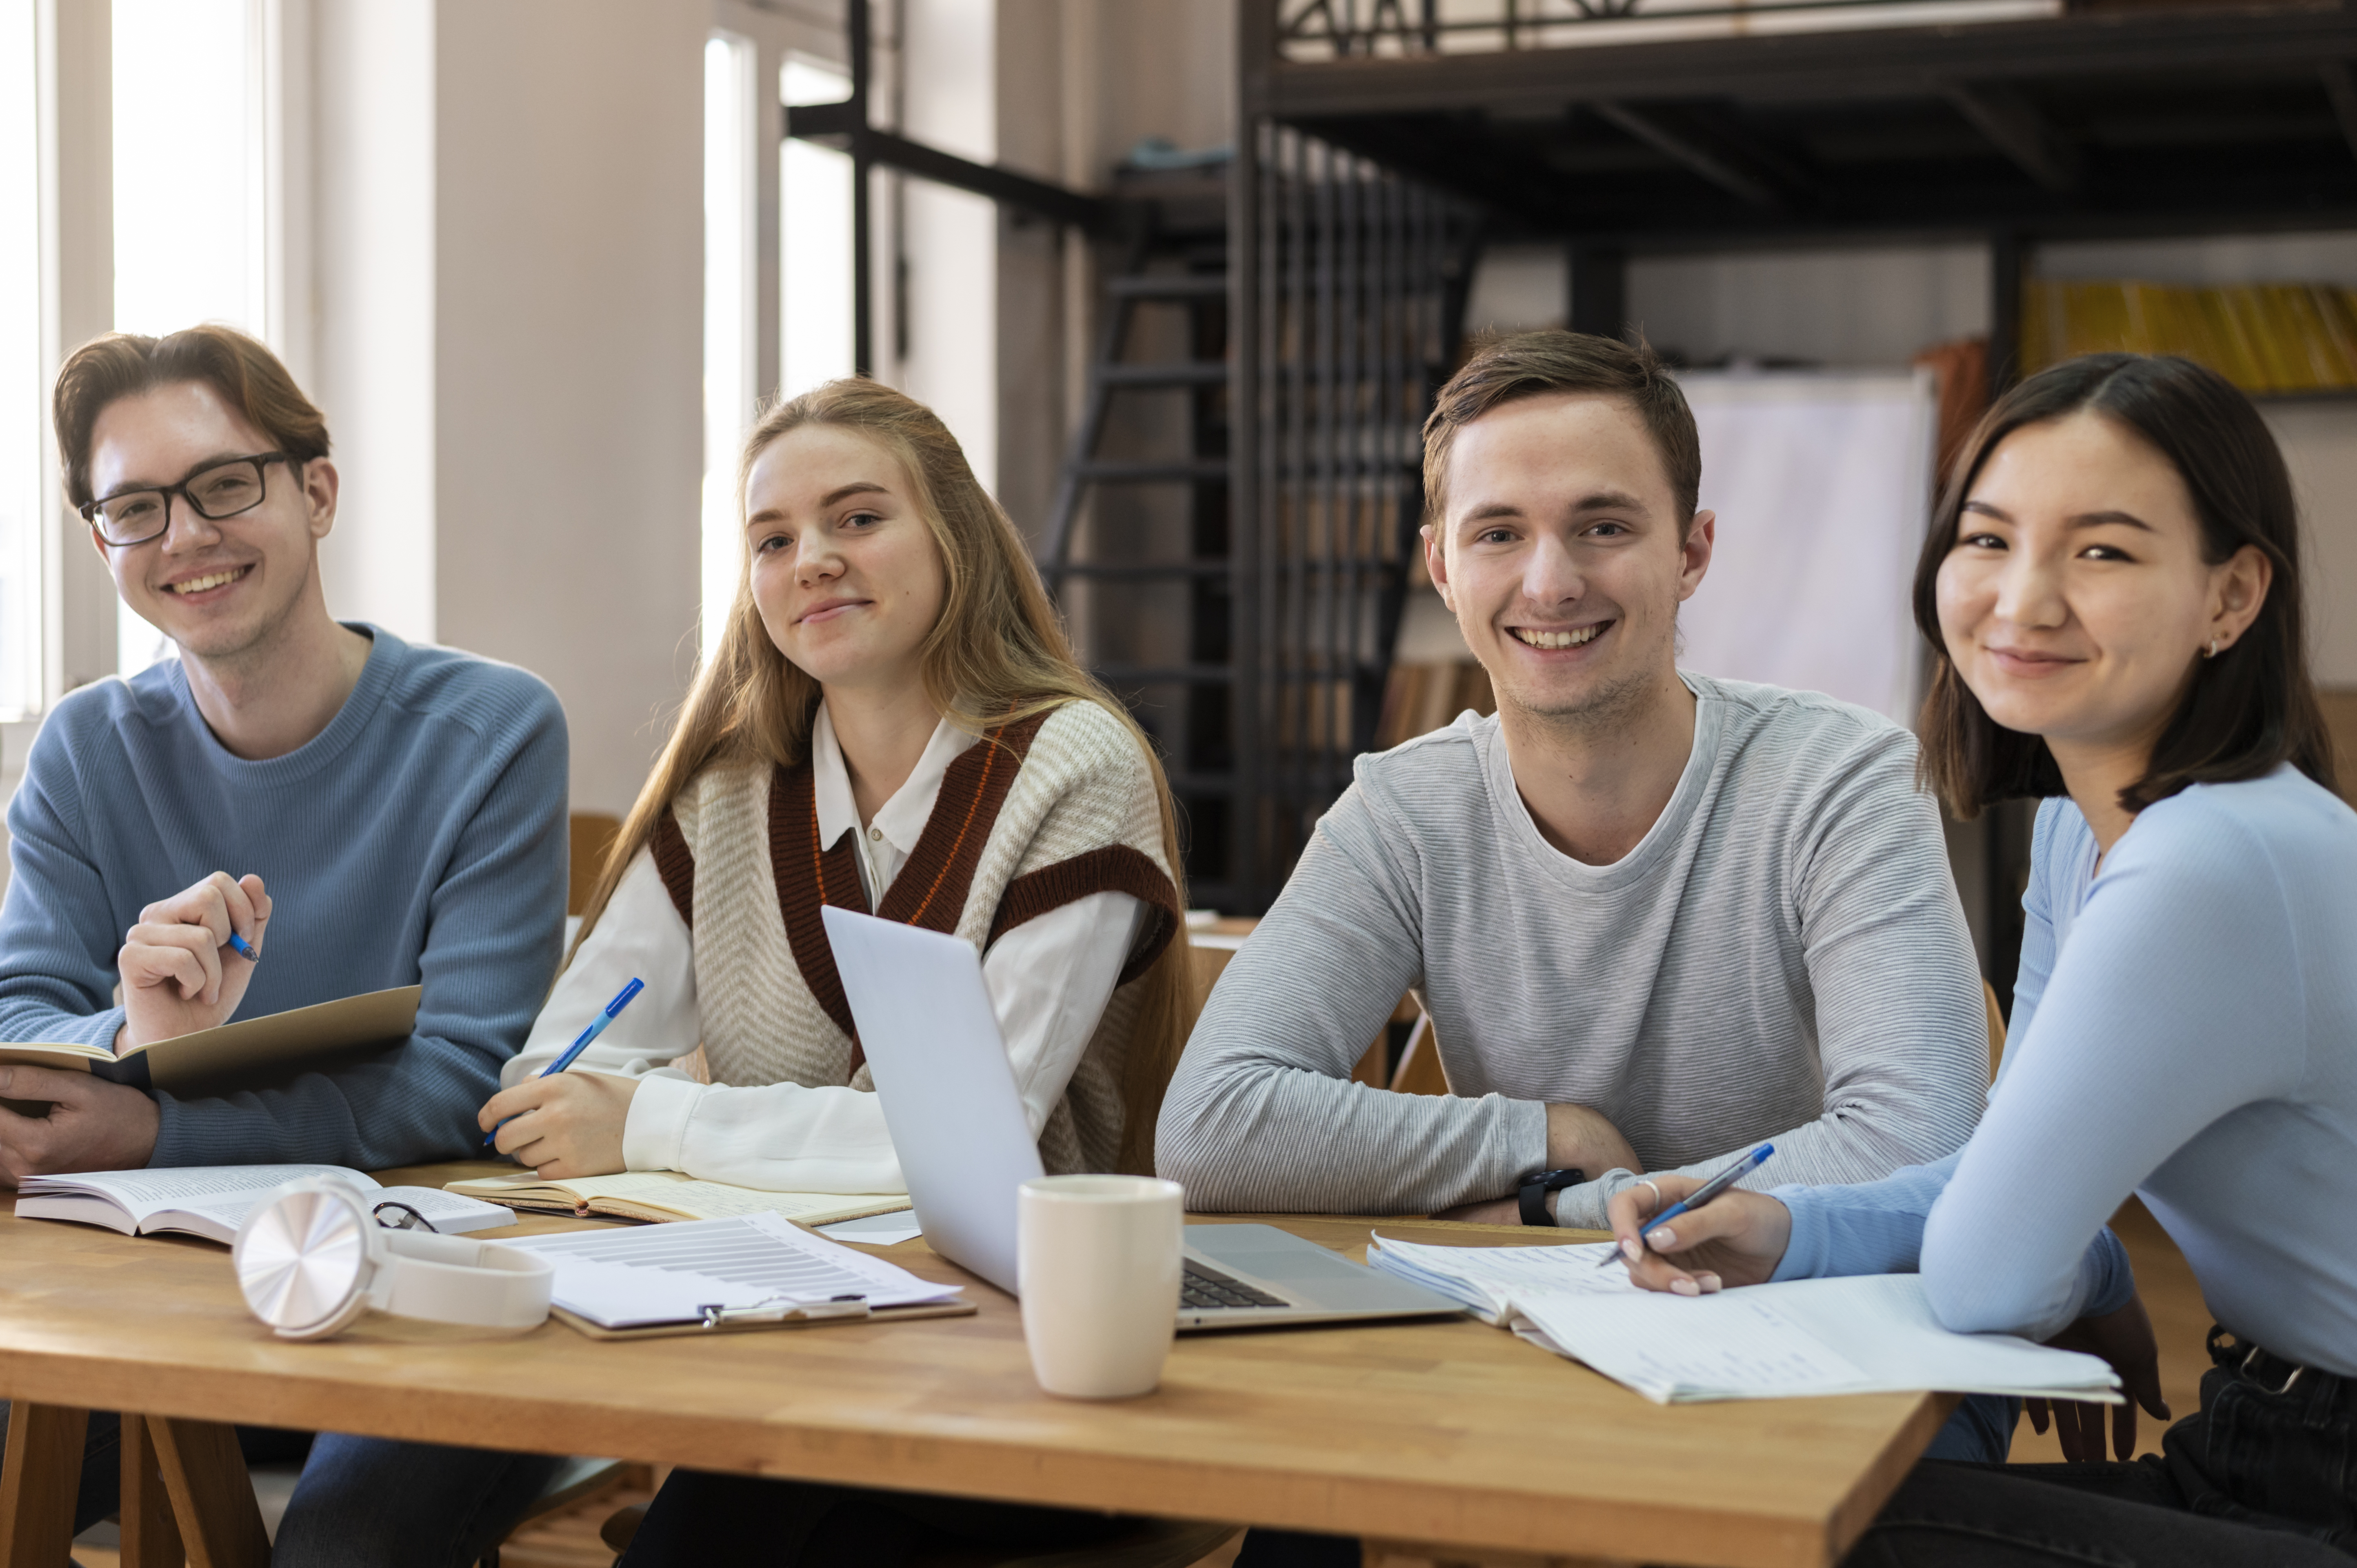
(1451,1434)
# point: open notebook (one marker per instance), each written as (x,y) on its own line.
(266,1047)
(663,1195)
(1866,1334)
(211,1201)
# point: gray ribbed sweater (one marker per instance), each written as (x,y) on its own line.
(1783,957)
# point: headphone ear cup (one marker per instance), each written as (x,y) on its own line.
(307,1257)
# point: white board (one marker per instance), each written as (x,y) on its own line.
(1823,487)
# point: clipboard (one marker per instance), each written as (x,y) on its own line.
(743,1326)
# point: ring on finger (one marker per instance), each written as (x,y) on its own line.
(1658,1205)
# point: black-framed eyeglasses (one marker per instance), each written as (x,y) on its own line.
(217,490)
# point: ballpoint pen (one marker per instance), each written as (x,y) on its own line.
(597,1027)
(1700,1196)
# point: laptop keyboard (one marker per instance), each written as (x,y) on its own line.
(1208,1288)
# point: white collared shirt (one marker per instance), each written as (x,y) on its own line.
(1050,979)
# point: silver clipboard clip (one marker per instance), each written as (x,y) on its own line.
(778,1309)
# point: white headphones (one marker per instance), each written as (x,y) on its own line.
(310,1258)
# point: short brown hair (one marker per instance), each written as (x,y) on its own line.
(1533,364)
(2247,710)
(249,377)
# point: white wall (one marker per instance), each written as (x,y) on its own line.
(949,242)
(510,284)
(1842,307)
(373,279)
(1866,306)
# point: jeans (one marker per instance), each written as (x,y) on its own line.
(702,1518)
(2264,1476)
(362,1501)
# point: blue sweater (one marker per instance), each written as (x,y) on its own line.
(2185,1028)
(419,840)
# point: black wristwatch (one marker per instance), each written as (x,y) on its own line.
(1535,1190)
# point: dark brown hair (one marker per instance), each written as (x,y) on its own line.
(1533,364)
(249,377)
(2249,709)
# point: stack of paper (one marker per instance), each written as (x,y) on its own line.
(750,1265)
(1868,1334)
(1489,1280)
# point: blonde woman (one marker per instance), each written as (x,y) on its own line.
(893,722)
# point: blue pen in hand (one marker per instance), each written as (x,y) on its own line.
(245,949)
(572,1052)
(1700,1196)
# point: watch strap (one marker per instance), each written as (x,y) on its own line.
(1531,1197)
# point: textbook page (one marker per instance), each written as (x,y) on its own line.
(1489,1280)
(217,1219)
(142,1193)
(1864,1334)
(669,1273)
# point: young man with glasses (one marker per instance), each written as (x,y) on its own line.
(293,810)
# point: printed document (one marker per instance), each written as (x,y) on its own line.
(751,1263)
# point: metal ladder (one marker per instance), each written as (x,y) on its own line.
(1155,623)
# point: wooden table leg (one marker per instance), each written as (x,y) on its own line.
(212,1496)
(151,1536)
(39,1479)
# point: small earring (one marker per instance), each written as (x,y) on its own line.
(2213,649)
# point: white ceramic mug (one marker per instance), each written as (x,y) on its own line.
(1096,1264)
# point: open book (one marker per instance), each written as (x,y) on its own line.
(210,1201)
(667,1194)
(249,1047)
(1864,1334)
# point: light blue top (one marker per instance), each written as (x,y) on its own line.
(419,838)
(2185,1028)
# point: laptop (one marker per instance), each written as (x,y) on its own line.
(956,1119)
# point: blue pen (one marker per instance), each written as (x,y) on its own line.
(245,949)
(1701,1195)
(572,1052)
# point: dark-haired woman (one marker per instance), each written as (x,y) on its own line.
(2113,591)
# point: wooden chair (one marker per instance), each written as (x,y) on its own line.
(1152,1543)
(593,833)
(575,1480)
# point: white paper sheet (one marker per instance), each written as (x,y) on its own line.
(1869,1334)
(1490,1279)
(668,1273)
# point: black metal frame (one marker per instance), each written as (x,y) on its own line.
(2119,121)
(844,126)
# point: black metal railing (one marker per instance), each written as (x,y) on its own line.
(1337,30)
(1350,287)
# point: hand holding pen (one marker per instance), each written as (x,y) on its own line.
(1693,1236)
(613,1010)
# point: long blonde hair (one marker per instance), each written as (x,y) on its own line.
(996,655)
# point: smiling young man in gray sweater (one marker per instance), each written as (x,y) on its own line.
(1657,918)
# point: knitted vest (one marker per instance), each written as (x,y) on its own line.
(1034,816)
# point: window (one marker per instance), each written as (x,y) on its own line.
(23,499)
(729,390)
(814,257)
(188,187)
